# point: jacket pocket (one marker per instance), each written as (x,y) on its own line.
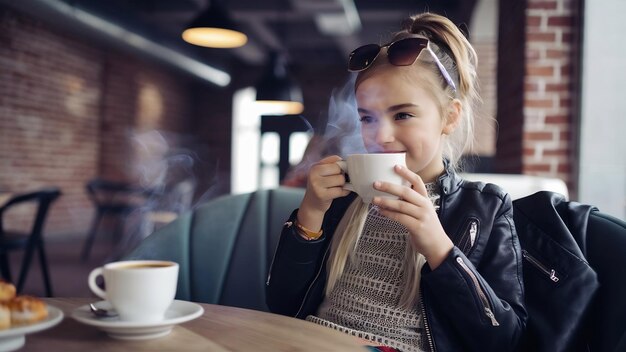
(486,306)
(468,236)
(544,269)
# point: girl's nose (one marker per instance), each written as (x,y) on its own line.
(384,133)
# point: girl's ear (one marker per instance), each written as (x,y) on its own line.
(453,116)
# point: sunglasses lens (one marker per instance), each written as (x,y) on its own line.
(405,51)
(362,57)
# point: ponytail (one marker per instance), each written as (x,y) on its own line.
(459,58)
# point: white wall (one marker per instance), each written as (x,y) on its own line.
(603,132)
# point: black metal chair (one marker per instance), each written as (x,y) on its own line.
(29,242)
(115,199)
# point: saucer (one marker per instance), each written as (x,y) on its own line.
(178,312)
(14,338)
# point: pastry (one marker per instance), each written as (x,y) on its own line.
(27,310)
(7,291)
(5,317)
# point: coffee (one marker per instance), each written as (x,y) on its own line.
(139,290)
(144,266)
(364,169)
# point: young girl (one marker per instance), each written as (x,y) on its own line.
(439,268)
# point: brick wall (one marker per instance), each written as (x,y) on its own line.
(49,115)
(537,87)
(70,111)
(550,85)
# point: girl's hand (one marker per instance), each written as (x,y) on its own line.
(416,212)
(325,183)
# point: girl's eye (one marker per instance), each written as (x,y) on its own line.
(366,119)
(402,116)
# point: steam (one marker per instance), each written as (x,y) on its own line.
(343,130)
(166,172)
(160,167)
(342,135)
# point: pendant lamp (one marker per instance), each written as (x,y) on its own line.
(276,92)
(213,28)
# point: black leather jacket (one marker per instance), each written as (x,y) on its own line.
(474,301)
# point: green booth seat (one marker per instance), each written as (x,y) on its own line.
(225,246)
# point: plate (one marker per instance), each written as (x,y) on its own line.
(14,338)
(178,312)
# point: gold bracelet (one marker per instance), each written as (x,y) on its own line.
(306,233)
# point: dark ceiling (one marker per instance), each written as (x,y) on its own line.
(290,26)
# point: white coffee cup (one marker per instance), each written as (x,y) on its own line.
(364,169)
(139,290)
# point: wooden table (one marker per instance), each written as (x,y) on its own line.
(220,328)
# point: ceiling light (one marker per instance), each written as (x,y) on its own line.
(276,92)
(213,28)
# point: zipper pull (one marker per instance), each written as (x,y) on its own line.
(553,276)
(551,273)
(491,316)
(472,232)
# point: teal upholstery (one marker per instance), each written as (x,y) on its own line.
(224,247)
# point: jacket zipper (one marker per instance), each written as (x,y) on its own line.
(468,236)
(551,273)
(481,294)
(472,232)
(429,337)
(269,273)
(313,282)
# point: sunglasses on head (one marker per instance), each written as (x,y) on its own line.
(403,52)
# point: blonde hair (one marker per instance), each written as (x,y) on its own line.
(459,58)
(345,241)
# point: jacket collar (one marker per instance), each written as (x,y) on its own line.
(449,181)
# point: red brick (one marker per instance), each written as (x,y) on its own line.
(539,167)
(542,71)
(531,87)
(541,37)
(538,103)
(533,21)
(564,168)
(557,119)
(555,152)
(559,21)
(557,54)
(566,70)
(529,151)
(568,37)
(565,102)
(538,136)
(557,87)
(542,5)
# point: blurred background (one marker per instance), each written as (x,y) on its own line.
(110,91)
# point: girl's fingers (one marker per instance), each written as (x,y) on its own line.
(327,166)
(414,179)
(398,206)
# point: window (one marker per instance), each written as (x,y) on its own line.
(259,160)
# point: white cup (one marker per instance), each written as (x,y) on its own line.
(139,290)
(364,169)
